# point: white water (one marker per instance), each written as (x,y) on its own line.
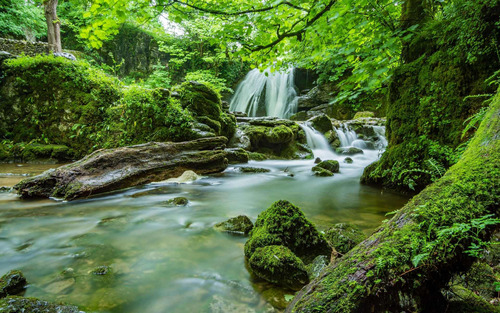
(347,136)
(280,98)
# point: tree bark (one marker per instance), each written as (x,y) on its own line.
(404,265)
(53,25)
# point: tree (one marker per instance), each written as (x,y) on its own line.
(53,25)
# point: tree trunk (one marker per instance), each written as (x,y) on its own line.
(53,25)
(404,265)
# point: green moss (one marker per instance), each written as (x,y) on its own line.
(329,165)
(466,301)
(321,172)
(285,224)
(253,170)
(240,224)
(20,304)
(255,156)
(34,152)
(279,265)
(178,201)
(343,237)
(360,115)
(12,283)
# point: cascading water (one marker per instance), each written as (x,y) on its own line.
(317,142)
(346,136)
(280,99)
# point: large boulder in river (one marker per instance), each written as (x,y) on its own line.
(112,169)
(285,224)
(280,266)
(273,137)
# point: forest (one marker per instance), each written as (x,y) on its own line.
(249,156)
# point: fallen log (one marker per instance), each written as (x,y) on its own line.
(112,169)
(404,265)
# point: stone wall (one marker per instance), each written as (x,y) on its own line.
(18,47)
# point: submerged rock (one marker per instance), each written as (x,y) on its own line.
(284,224)
(253,170)
(238,225)
(32,305)
(279,265)
(12,283)
(111,169)
(101,270)
(178,201)
(344,236)
(348,151)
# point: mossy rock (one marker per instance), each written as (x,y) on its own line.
(348,151)
(256,156)
(321,123)
(178,201)
(284,224)
(330,165)
(12,283)
(466,301)
(237,225)
(348,160)
(279,265)
(317,265)
(237,156)
(321,172)
(19,304)
(253,170)
(344,236)
(101,270)
(360,115)
(200,100)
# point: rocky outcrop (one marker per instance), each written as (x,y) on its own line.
(270,136)
(111,169)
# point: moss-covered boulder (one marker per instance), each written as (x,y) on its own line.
(284,224)
(237,156)
(236,225)
(279,265)
(206,106)
(321,172)
(344,236)
(330,165)
(12,283)
(365,114)
(321,123)
(19,304)
(348,160)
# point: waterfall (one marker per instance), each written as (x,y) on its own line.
(317,142)
(347,137)
(280,98)
(382,141)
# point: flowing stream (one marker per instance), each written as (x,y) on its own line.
(170,259)
(266,94)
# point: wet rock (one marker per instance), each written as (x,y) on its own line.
(237,225)
(321,172)
(101,270)
(276,297)
(19,304)
(236,156)
(329,165)
(5,189)
(186,177)
(348,151)
(178,201)
(333,139)
(60,286)
(221,305)
(317,161)
(344,236)
(253,170)
(321,123)
(285,224)
(317,265)
(348,160)
(279,265)
(111,169)
(12,283)
(360,115)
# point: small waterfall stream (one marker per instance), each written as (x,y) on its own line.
(266,94)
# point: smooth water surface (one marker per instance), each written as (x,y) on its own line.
(164,258)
